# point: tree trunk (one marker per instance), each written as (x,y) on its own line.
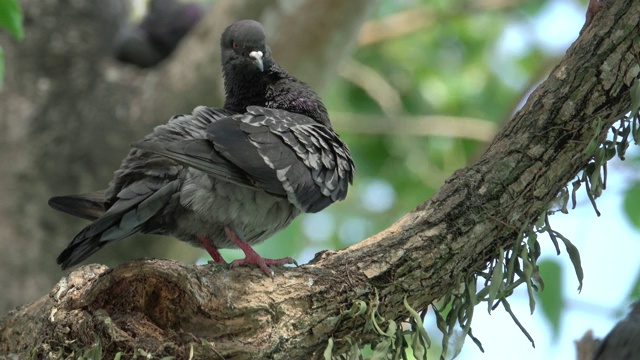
(70,112)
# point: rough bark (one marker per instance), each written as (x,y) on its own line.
(70,112)
(167,308)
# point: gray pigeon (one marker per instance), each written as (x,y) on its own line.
(223,178)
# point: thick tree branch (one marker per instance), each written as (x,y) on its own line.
(167,308)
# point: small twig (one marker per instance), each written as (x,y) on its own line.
(374,84)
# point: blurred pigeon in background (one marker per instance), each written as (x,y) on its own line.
(154,39)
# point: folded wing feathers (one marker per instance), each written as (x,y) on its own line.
(318,147)
(132,221)
(134,197)
(314,168)
(198,154)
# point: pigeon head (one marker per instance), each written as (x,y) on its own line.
(246,60)
(243,47)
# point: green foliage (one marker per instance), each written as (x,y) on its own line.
(457,310)
(11,20)
(623,132)
(635,289)
(444,67)
(574,255)
(395,341)
(94,352)
(632,204)
(632,196)
(420,340)
(551,300)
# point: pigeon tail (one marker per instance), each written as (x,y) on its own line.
(139,202)
(88,206)
(80,249)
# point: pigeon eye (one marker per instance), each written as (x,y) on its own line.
(234,45)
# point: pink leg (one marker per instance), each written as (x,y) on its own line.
(252,257)
(211,249)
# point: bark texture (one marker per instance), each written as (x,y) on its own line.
(167,308)
(70,112)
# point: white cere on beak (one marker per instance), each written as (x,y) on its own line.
(257,59)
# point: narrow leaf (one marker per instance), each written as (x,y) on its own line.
(329,350)
(475,340)
(419,327)
(419,352)
(574,256)
(528,272)
(381,350)
(11,18)
(354,352)
(551,299)
(576,185)
(442,326)
(632,204)
(507,307)
(358,308)
(497,275)
(634,92)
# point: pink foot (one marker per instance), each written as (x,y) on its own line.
(211,249)
(252,257)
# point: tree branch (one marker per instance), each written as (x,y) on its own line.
(167,308)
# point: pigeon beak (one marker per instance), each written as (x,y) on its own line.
(257,59)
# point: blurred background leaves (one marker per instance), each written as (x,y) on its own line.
(10,20)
